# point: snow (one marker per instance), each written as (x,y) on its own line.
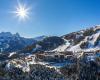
(97,27)
(63,47)
(91,41)
(38,47)
(91,58)
(8,66)
(95,36)
(67,46)
(79,35)
(75,48)
(40,38)
(11,54)
(26,68)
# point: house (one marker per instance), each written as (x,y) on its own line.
(67,53)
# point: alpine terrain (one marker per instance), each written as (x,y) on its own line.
(73,56)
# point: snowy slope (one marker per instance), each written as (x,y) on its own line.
(88,39)
(62,47)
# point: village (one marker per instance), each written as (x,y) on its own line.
(53,59)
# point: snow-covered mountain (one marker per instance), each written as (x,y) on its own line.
(88,39)
(48,43)
(12,42)
(54,58)
(40,38)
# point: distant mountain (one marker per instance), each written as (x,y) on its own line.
(87,39)
(48,43)
(13,42)
(39,38)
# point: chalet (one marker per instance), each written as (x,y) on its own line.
(68,56)
(29,59)
(67,53)
(40,56)
(97,51)
(89,52)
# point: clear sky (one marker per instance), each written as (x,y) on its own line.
(50,17)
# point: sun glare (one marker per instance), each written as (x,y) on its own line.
(22,12)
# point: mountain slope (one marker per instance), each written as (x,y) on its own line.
(13,42)
(48,43)
(87,39)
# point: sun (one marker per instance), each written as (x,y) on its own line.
(22,12)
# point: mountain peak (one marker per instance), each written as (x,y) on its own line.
(5,34)
(40,38)
(84,39)
(17,34)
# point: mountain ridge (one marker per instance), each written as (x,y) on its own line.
(12,42)
(75,41)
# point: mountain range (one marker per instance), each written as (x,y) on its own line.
(83,40)
(87,39)
(13,42)
(73,56)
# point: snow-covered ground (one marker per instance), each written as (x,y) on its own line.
(11,54)
(63,47)
(91,42)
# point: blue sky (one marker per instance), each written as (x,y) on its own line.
(50,17)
